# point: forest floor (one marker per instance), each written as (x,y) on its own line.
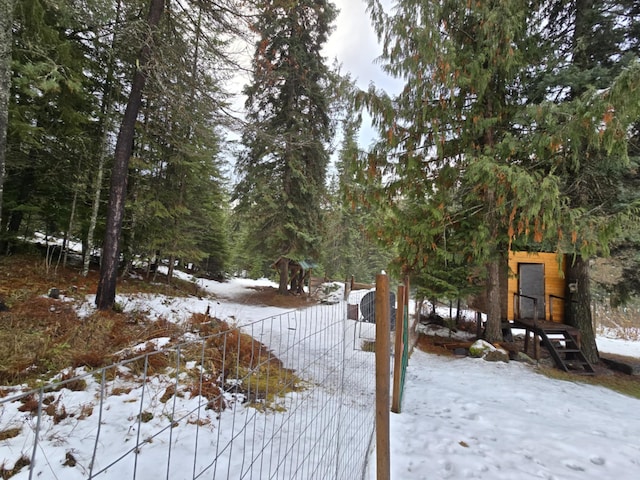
(40,335)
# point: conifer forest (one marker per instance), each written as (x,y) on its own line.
(220,136)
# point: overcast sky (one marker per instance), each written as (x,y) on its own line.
(355,45)
(354,42)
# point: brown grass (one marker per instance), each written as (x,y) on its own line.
(10,433)
(41,336)
(5,473)
(619,382)
(270,296)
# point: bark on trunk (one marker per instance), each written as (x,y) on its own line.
(493,330)
(69,233)
(6,23)
(283,288)
(172,261)
(97,187)
(578,306)
(106,293)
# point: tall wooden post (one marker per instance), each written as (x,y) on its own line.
(398,351)
(383,371)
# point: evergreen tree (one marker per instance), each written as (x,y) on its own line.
(453,130)
(105,296)
(288,126)
(463,124)
(350,248)
(177,185)
(49,117)
(6,24)
(589,73)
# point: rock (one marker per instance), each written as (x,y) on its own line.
(496,356)
(629,366)
(480,348)
(433,318)
(54,293)
(523,357)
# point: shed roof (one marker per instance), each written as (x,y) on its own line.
(304,264)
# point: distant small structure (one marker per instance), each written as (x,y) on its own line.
(298,273)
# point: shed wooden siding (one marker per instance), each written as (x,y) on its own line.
(554,281)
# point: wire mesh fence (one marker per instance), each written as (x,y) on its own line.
(287,397)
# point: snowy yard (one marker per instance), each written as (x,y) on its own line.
(461,417)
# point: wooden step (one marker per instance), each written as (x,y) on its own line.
(578,362)
(551,335)
(568,350)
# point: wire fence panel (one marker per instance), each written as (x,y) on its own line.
(287,397)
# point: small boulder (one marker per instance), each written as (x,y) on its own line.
(480,348)
(523,357)
(496,356)
(54,293)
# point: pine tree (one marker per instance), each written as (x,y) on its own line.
(288,126)
(349,249)
(105,296)
(49,115)
(6,24)
(177,183)
(589,72)
(449,161)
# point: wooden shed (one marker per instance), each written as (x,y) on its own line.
(540,276)
(298,272)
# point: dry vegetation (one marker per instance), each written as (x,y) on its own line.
(41,336)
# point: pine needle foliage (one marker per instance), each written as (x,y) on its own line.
(465,154)
(282,170)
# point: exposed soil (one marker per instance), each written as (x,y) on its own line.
(269,296)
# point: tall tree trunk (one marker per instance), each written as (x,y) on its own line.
(93,221)
(172,261)
(578,306)
(6,23)
(69,232)
(106,293)
(283,265)
(105,112)
(493,331)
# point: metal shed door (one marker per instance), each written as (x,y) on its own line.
(531,284)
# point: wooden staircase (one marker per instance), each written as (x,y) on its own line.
(562,341)
(565,350)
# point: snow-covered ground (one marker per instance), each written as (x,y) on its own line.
(461,418)
(629,348)
(468,418)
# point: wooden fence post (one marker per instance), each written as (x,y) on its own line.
(383,371)
(347,289)
(398,351)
